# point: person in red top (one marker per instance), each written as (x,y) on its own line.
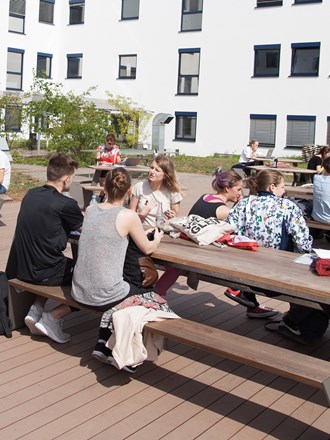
(108,153)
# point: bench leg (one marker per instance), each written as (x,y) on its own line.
(87,196)
(19,303)
(326,388)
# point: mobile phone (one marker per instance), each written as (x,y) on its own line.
(151,235)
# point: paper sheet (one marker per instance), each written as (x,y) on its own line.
(322,253)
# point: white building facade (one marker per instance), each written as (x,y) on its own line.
(221,71)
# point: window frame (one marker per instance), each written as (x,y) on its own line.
(132,17)
(295,47)
(259,132)
(181,116)
(301,2)
(296,132)
(75,5)
(44,56)
(328,131)
(74,57)
(42,5)
(11,72)
(18,13)
(267,3)
(188,76)
(185,13)
(266,47)
(120,76)
(16,124)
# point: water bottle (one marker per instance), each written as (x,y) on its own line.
(93,200)
(159,215)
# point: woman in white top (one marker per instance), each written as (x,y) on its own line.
(159,194)
(250,152)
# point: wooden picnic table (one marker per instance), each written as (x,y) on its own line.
(89,188)
(265,269)
(131,169)
(287,170)
(283,169)
(294,162)
(299,192)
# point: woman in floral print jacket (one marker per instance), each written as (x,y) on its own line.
(270,220)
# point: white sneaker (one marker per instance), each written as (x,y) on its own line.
(52,328)
(32,318)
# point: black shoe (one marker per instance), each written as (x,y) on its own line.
(102,353)
(129,369)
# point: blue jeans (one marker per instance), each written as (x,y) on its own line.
(3,189)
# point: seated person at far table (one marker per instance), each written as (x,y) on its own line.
(248,156)
(44,223)
(107,154)
(270,220)
(321,194)
(315,162)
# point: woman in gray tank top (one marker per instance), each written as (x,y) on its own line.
(98,275)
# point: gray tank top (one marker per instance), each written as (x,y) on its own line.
(98,274)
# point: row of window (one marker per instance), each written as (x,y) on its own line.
(185,125)
(188,77)
(300,130)
(263,3)
(191,16)
(305,59)
(305,62)
(15,57)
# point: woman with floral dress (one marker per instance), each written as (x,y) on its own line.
(270,220)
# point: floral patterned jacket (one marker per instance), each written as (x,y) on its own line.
(262,217)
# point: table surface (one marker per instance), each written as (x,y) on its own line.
(280,159)
(282,169)
(299,191)
(135,168)
(266,268)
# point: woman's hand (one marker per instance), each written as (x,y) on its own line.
(158,235)
(169,214)
(148,206)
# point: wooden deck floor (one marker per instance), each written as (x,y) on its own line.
(53,391)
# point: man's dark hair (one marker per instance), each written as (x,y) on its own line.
(60,165)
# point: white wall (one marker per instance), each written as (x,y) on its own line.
(228,93)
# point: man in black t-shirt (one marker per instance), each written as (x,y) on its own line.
(44,222)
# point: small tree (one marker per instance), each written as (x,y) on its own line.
(69,121)
(129,119)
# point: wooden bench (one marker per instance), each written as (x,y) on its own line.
(318,225)
(276,360)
